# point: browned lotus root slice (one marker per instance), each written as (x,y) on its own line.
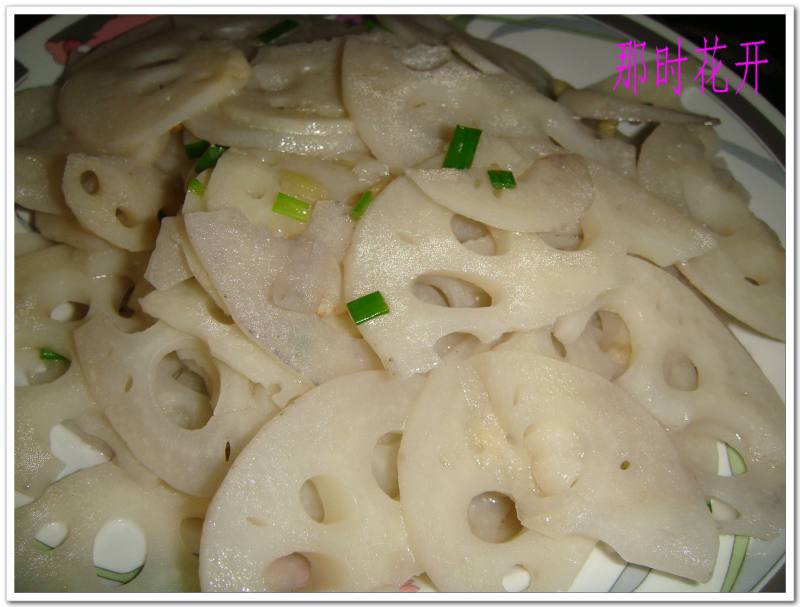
(688,370)
(118,199)
(405,237)
(122,373)
(289,517)
(147,90)
(571,450)
(85,503)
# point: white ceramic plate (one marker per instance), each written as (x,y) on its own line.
(580,50)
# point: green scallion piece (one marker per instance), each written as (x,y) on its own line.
(209,158)
(48,354)
(502,180)
(197,187)
(289,206)
(462,148)
(367,307)
(361,206)
(195,149)
(276,31)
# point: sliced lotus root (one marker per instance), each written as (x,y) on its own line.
(288,517)
(122,371)
(188,308)
(87,504)
(34,111)
(95,429)
(66,229)
(576,455)
(456,487)
(37,180)
(745,275)
(406,237)
(406,101)
(56,289)
(243,261)
(118,199)
(250,181)
(247,122)
(688,370)
(300,77)
(167,265)
(29,242)
(40,407)
(550,196)
(155,85)
(291,104)
(645,225)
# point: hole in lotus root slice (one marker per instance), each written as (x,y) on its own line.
(70,311)
(315,502)
(118,199)
(52,534)
(119,551)
(191,531)
(492,517)
(563,241)
(311,501)
(90,182)
(145,416)
(722,511)
(450,291)
(31,370)
(555,453)
(604,346)
(303,572)
(474,235)
(183,391)
(517,579)
(325,500)
(384,463)
(680,372)
(458,345)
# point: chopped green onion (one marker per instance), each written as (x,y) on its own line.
(462,148)
(209,158)
(276,31)
(122,578)
(367,307)
(195,149)
(292,207)
(197,187)
(502,180)
(48,354)
(361,206)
